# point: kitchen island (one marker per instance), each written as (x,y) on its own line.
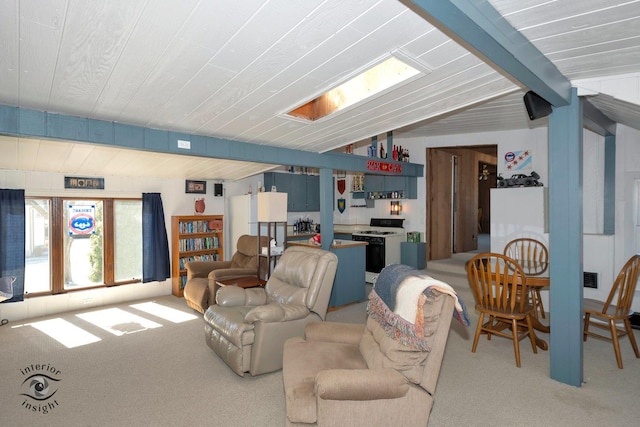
(349,285)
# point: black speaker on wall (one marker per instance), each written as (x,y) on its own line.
(217,190)
(537,107)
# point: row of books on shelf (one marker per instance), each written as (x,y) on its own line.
(194,227)
(207,257)
(199,244)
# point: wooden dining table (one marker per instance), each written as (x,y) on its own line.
(542,282)
(537,276)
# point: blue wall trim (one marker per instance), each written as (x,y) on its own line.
(28,123)
(609,214)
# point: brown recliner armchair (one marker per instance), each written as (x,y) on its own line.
(247,328)
(358,375)
(201,287)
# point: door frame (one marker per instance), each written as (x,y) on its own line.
(441,216)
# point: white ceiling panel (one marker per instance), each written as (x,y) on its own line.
(230,69)
(27,153)
(10,54)
(9,149)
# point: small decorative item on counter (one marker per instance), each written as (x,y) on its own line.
(273,249)
(414,237)
(199,206)
(315,240)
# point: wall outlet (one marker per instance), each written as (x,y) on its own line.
(184,144)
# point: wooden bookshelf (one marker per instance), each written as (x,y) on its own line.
(194,238)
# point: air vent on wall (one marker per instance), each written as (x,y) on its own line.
(590,280)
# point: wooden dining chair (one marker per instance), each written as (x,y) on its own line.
(533,257)
(616,309)
(500,289)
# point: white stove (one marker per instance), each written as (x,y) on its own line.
(383,238)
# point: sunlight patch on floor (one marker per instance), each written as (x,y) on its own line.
(167,313)
(113,320)
(65,332)
(118,322)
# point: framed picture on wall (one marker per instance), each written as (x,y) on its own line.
(197,187)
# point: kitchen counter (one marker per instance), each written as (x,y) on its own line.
(299,235)
(337,243)
(350,228)
(350,282)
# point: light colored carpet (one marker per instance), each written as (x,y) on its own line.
(167,376)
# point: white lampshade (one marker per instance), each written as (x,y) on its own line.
(272,207)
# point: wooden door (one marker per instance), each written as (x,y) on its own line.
(439,204)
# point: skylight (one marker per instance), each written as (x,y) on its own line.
(365,85)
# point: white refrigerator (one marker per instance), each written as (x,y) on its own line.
(242,217)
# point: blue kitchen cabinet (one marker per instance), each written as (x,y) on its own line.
(303,191)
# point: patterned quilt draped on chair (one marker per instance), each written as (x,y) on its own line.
(397,299)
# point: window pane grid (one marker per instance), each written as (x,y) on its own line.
(37,276)
(76,244)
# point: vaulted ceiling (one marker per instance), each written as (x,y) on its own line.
(230,69)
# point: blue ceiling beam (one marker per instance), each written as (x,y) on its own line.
(478,27)
(27,123)
(595,120)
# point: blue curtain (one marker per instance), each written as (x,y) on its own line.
(155,246)
(12,237)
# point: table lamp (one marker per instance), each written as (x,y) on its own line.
(272,207)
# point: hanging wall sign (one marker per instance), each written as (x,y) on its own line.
(82,220)
(342,185)
(342,204)
(518,160)
(84,183)
(375,165)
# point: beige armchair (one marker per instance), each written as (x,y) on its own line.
(201,287)
(357,375)
(247,328)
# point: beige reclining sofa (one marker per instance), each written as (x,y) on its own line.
(357,375)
